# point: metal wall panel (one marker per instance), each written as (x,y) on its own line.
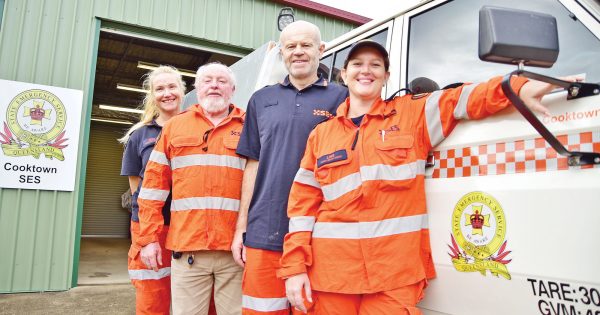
(46,42)
(52,42)
(241,23)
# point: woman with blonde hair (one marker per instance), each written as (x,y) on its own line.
(165,94)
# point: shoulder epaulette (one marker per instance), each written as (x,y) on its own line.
(185,110)
(418,96)
(326,119)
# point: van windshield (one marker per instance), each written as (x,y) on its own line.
(448,51)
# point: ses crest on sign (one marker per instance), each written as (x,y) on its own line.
(478,235)
(35,123)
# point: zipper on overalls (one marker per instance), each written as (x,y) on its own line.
(355,138)
(205,139)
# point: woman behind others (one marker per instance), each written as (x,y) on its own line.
(358,240)
(165,93)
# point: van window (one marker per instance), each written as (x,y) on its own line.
(443,43)
(325,66)
(340,55)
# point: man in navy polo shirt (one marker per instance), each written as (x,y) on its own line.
(279,119)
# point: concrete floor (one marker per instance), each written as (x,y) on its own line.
(96,299)
(103,285)
(103,261)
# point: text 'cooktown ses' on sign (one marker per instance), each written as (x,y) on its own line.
(39,133)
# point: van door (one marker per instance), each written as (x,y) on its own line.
(514,228)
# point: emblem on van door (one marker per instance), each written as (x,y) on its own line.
(35,125)
(478,235)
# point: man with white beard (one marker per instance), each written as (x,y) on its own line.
(195,158)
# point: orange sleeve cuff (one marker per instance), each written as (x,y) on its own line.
(517,83)
(286,272)
(145,240)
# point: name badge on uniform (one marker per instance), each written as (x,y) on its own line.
(339,155)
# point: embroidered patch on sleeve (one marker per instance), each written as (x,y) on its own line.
(339,155)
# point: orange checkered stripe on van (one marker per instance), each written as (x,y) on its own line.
(522,156)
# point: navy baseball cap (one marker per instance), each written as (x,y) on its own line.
(368,43)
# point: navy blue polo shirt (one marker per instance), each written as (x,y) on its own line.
(136,156)
(279,119)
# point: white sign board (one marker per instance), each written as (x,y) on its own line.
(39,135)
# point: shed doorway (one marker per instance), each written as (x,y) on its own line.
(122,61)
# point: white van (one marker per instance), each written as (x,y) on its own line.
(514,228)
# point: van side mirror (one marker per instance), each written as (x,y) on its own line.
(515,36)
(529,38)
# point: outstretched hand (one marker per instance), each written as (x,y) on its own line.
(532,92)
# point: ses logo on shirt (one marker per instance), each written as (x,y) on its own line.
(322,112)
(149,141)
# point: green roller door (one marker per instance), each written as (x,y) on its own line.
(102,212)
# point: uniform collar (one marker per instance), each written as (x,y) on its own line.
(321,81)
(153,123)
(234,112)
(379,108)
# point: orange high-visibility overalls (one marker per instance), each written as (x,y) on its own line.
(358,218)
(197,162)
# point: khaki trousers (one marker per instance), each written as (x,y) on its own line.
(191,285)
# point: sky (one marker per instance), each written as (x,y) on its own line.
(373,9)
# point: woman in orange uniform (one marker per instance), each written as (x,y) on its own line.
(358,240)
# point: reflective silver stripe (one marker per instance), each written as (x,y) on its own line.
(363,230)
(306,177)
(149,274)
(153,194)
(372,172)
(432,116)
(159,157)
(265,304)
(388,172)
(460,111)
(208,160)
(202,203)
(342,186)
(301,224)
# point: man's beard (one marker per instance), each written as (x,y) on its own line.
(214,105)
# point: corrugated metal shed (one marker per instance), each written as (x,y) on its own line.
(54,42)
